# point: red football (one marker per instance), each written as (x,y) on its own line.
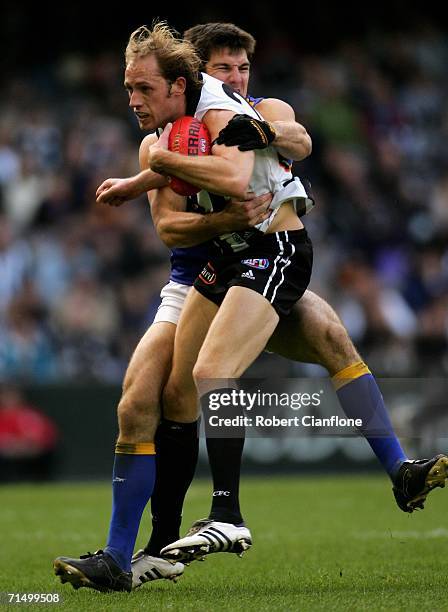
(188,136)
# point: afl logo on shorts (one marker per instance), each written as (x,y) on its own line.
(208,275)
(260,264)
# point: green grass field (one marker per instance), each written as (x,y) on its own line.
(333,543)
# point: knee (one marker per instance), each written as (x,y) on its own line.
(206,370)
(172,396)
(180,401)
(137,411)
(201,372)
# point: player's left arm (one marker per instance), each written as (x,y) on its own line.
(226,172)
(291,138)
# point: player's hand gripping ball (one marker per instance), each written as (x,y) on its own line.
(188,136)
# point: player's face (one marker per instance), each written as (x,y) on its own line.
(150,94)
(232,67)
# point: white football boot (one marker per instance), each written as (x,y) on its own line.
(205,537)
(146,568)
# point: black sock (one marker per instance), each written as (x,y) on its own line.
(177,447)
(224,455)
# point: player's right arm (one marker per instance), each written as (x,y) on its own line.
(176,227)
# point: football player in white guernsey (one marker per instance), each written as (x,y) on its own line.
(160,82)
(213,342)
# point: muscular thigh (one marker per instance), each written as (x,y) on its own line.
(195,320)
(313,333)
(237,335)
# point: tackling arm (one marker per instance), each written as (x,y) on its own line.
(277,127)
(291,138)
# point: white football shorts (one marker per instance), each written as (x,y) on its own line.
(173,297)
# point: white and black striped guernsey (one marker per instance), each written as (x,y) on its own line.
(268,174)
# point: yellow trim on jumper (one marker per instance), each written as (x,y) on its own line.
(349,374)
(140,448)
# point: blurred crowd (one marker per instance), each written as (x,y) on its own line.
(79,283)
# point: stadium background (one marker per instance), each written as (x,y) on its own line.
(79,284)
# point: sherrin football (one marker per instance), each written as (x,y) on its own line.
(188,136)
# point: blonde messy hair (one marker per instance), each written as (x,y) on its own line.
(176,57)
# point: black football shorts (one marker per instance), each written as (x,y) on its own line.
(277,266)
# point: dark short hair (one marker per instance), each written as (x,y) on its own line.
(208,37)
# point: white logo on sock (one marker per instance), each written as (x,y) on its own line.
(221,493)
(118,479)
